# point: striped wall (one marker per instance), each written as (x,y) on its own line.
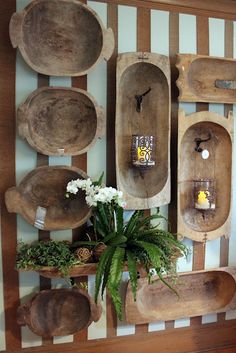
(135,29)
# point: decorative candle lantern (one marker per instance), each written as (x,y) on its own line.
(204,194)
(143,151)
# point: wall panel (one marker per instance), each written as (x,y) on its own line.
(136,28)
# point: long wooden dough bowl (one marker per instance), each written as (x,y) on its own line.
(206,79)
(136,73)
(60,37)
(40,199)
(199,293)
(60,121)
(59,312)
(200,225)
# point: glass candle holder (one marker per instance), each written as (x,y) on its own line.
(143,151)
(204,194)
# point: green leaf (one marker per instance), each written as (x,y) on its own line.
(132,272)
(133,223)
(119,219)
(109,237)
(102,217)
(76,244)
(153,252)
(102,268)
(118,240)
(115,296)
(116,268)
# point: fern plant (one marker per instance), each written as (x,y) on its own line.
(137,242)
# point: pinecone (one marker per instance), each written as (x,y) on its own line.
(98,250)
(83,254)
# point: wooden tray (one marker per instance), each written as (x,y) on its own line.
(59,312)
(199,293)
(192,223)
(136,73)
(206,79)
(60,37)
(40,199)
(60,121)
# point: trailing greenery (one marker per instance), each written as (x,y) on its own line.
(46,253)
(137,242)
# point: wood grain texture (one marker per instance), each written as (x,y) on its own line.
(219,8)
(7,179)
(199,293)
(112,18)
(205,337)
(192,223)
(173,49)
(205,79)
(151,187)
(68,47)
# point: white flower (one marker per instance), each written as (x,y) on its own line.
(72,187)
(90,201)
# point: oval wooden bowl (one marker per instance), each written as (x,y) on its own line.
(136,73)
(40,199)
(59,312)
(192,223)
(199,293)
(206,79)
(60,121)
(60,37)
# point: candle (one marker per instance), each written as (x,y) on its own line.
(204,194)
(143,151)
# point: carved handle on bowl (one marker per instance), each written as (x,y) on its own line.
(15,28)
(13,200)
(108,44)
(101,119)
(23,314)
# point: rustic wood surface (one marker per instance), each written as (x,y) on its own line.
(46,187)
(198,77)
(192,223)
(59,312)
(60,121)
(60,37)
(143,190)
(199,293)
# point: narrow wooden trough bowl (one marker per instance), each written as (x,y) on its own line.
(199,293)
(60,121)
(40,199)
(203,225)
(206,79)
(138,73)
(59,312)
(60,37)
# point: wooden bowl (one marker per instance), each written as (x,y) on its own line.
(60,121)
(60,37)
(136,73)
(206,79)
(199,293)
(40,199)
(59,312)
(192,223)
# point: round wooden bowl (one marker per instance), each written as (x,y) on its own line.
(60,121)
(40,199)
(59,312)
(60,37)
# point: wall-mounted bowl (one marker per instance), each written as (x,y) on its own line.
(60,37)
(58,312)
(138,73)
(199,293)
(206,79)
(60,121)
(41,199)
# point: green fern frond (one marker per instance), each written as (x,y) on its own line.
(133,223)
(102,269)
(119,220)
(115,296)
(132,272)
(152,251)
(116,268)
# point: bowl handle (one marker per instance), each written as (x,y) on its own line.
(15,28)
(13,200)
(23,314)
(22,121)
(109,44)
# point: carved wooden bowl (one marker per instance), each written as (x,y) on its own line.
(136,73)
(206,79)
(60,121)
(199,293)
(60,37)
(40,199)
(59,312)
